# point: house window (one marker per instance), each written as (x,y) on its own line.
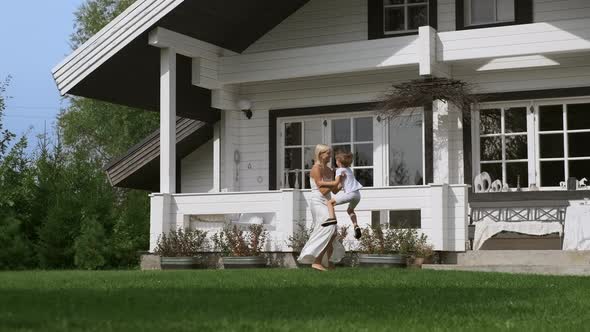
(300,139)
(406,150)
(563,134)
(391,18)
(542,143)
(355,135)
(404,15)
(400,219)
(473,14)
(503,144)
(483,12)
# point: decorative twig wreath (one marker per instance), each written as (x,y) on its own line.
(409,95)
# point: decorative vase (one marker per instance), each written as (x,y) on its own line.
(390,260)
(248,262)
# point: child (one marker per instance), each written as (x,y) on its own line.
(351,188)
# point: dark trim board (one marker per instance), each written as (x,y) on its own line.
(523,14)
(375,19)
(467,147)
(428,144)
(536,94)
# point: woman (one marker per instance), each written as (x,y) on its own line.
(323,248)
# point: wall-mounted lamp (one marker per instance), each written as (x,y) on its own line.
(246,107)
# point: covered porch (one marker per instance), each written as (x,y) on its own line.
(180,70)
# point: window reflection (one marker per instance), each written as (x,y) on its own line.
(406,151)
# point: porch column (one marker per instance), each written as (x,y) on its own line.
(217,157)
(448,143)
(167,121)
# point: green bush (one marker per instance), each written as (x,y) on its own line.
(90,246)
(16,252)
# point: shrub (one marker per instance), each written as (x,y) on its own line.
(301,236)
(298,240)
(232,241)
(377,240)
(90,245)
(16,252)
(181,243)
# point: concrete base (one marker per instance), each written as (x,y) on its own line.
(549,262)
(518,257)
(563,270)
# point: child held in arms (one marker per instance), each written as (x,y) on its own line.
(351,190)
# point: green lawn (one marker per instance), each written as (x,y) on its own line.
(291,300)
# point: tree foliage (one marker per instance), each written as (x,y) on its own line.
(57,208)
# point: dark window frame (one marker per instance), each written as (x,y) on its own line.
(376,24)
(523,14)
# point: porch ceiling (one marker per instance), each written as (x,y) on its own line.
(131,75)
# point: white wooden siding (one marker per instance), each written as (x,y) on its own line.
(446,15)
(197,170)
(555,10)
(319,22)
(572,70)
(325,90)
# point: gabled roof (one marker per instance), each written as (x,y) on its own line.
(118,65)
(139,167)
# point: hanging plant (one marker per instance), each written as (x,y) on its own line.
(409,95)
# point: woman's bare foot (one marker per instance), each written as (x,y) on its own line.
(318,267)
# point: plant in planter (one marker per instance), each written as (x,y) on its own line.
(180,249)
(241,249)
(299,238)
(383,247)
(422,252)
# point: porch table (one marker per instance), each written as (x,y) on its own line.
(577,228)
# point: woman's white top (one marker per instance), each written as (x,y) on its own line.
(350,183)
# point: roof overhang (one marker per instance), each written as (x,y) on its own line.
(118,65)
(139,168)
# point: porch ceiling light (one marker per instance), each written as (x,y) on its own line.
(529,61)
(246,107)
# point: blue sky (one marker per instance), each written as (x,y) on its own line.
(35,37)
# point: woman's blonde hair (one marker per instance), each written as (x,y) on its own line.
(319,149)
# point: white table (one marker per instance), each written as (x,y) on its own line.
(577,227)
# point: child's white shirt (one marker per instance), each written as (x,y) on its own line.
(350,183)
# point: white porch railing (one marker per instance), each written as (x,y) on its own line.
(443,210)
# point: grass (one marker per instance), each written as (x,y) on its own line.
(291,300)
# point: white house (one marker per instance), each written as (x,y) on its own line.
(246,89)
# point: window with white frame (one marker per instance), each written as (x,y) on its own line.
(503,144)
(387,152)
(482,12)
(406,150)
(400,16)
(542,143)
(563,134)
(355,135)
(300,139)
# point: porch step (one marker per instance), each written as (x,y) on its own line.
(561,270)
(520,258)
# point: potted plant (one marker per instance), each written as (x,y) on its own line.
(180,249)
(422,252)
(383,248)
(241,249)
